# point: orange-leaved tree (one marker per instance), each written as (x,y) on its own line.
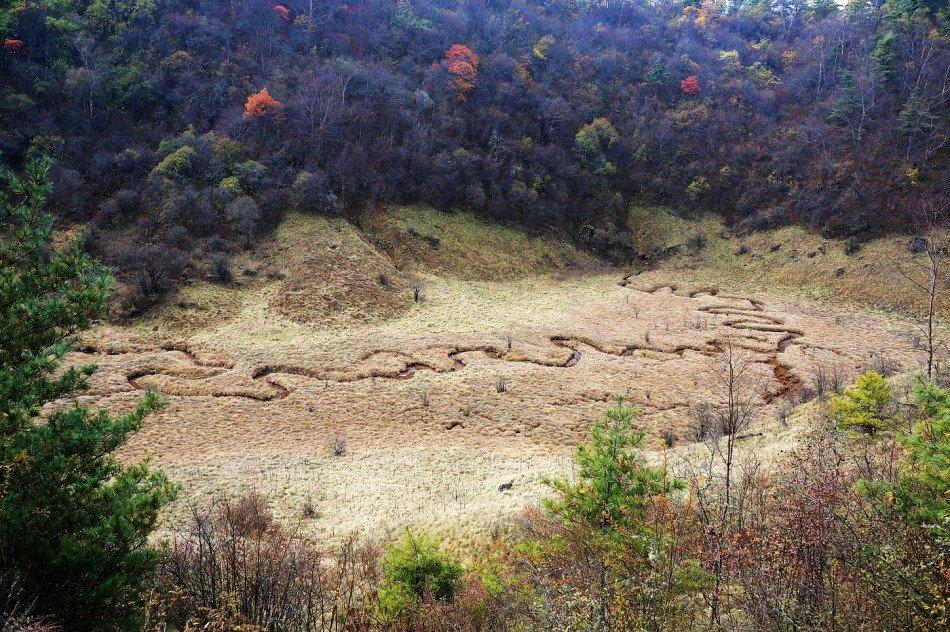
(463,64)
(261,104)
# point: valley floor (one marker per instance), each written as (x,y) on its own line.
(453,408)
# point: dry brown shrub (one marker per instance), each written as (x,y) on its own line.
(234,565)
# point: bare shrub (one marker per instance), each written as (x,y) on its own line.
(309,511)
(732,404)
(154,268)
(694,322)
(337,445)
(416,290)
(234,565)
(805,394)
(926,276)
(220,266)
(702,421)
(826,381)
(501,384)
(783,412)
(16,609)
(697,241)
(879,362)
(796,585)
(836,380)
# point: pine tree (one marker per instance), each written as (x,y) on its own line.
(922,492)
(74,522)
(913,504)
(916,116)
(820,9)
(867,406)
(848,103)
(614,484)
(608,503)
(404,16)
(658,73)
(884,54)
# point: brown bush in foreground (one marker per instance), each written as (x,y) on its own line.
(820,554)
(791,556)
(234,563)
(234,568)
(16,609)
(475,608)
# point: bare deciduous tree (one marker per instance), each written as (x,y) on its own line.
(925,274)
(723,484)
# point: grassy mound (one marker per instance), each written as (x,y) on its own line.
(332,274)
(422,239)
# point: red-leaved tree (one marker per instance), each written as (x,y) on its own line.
(463,64)
(261,104)
(282,11)
(690,85)
(12,44)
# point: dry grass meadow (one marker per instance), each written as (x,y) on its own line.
(516,346)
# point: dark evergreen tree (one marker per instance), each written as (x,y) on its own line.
(74,522)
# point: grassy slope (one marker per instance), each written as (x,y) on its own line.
(323,272)
(789,259)
(459,245)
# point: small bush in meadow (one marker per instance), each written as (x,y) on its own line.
(414,568)
(867,406)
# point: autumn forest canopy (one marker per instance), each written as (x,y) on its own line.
(181,129)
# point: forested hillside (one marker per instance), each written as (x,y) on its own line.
(183,129)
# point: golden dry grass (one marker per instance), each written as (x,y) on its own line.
(442,401)
(462,246)
(332,274)
(193,308)
(791,260)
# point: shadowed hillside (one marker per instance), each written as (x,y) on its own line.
(181,132)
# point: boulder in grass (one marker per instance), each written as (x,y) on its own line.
(918,244)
